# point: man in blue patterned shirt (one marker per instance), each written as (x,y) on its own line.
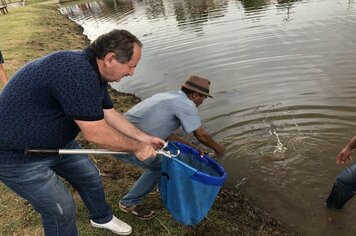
(45,105)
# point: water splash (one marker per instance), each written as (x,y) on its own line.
(279,147)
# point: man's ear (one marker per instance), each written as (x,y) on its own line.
(195,95)
(109,58)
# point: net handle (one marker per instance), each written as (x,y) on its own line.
(166,152)
(162,151)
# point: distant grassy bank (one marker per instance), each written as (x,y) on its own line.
(32,31)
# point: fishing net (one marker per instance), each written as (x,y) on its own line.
(189,183)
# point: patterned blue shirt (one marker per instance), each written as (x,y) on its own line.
(41,101)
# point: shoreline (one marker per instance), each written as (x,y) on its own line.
(232,213)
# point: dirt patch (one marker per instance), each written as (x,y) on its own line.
(123,101)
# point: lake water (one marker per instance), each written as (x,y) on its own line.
(284,84)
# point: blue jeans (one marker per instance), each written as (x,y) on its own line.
(147,181)
(344,188)
(36,179)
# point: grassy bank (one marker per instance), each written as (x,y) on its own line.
(35,30)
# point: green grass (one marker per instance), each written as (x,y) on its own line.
(35,30)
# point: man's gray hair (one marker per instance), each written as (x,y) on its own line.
(120,42)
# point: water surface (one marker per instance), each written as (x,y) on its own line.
(284,84)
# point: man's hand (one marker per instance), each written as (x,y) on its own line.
(219,150)
(202,152)
(155,142)
(144,151)
(344,156)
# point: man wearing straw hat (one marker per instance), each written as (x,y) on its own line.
(161,115)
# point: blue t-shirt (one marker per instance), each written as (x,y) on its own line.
(163,113)
(39,104)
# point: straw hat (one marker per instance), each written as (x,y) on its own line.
(197,84)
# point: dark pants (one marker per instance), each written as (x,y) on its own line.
(344,188)
(36,179)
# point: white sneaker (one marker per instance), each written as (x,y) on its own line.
(115,225)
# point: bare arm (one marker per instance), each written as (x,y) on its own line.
(121,124)
(345,154)
(208,141)
(101,133)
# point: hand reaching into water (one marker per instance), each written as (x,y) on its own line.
(219,150)
(346,153)
(344,156)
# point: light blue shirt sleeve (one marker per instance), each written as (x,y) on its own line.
(187,113)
